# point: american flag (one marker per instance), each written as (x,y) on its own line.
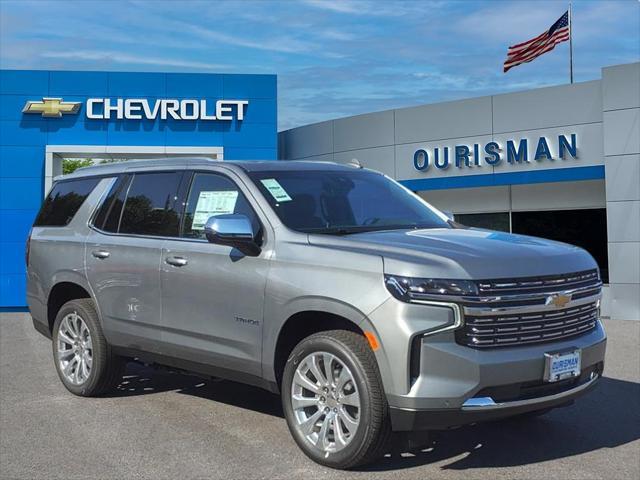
(546,41)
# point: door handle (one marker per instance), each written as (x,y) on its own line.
(176,261)
(100,254)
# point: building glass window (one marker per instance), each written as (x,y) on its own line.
(490,221)
(584,228)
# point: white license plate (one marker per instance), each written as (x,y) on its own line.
(561,365)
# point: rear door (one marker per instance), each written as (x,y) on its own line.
(57,246)
(213,295)
(123,256)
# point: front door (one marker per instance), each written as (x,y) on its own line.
(213,295)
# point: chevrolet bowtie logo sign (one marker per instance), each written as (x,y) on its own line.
(51,107)
(558,300)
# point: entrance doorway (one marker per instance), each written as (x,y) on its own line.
(56,154)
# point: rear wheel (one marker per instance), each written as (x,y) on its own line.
(84,360)
(333,400)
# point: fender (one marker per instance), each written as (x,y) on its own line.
(73,276)
(313,303)
(70,276)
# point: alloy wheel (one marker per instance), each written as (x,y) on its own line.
(74,349)
(325,402)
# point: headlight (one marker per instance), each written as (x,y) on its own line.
(407,289)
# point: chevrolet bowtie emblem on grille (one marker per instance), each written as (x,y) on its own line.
(559,300)
(51,107)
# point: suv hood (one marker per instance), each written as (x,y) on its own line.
(462,253)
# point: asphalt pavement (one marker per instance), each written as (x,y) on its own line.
(162,424)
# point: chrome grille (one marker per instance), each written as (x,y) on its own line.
(521,311)
(498,330)
(545,284)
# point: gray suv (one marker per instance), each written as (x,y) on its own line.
(367,309)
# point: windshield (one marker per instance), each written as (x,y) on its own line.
(343,202)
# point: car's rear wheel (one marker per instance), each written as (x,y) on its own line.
(84,360)
(333,400)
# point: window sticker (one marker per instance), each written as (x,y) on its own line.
(213,203)
(276,190)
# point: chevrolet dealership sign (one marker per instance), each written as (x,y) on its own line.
(493,153)
(141,109)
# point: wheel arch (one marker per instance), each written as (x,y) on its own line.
(299,326)
(64,289)
(314,310)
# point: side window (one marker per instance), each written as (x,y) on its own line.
(108,216)
(211,194)
(150,206)
(63,202)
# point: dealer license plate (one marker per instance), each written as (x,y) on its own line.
(561,365)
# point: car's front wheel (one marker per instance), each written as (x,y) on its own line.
(84,360)
(333,400)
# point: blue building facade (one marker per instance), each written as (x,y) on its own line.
(128,113)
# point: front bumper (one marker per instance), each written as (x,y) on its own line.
(482,409)
(458,385)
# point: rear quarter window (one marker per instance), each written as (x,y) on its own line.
(64,201)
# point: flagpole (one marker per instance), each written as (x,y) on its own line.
(570,44)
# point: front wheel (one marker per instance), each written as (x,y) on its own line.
(333,400)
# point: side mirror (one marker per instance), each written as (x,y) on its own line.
(233,230)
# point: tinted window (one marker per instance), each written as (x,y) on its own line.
(211,195)
(108,216)
(150,207)
(343,202)
(64,200)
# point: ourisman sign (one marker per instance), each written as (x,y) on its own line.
(493,153)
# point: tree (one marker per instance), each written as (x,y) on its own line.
(70,165)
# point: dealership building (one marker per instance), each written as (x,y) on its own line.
(47,116)
(560,162)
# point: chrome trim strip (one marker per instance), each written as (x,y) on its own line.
(539,281)
(478,402)
(532,296)
(458,319)
(538,308)
(535,286)
(487,403)
(481,300)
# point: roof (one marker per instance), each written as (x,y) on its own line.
(193,162)
(288,165)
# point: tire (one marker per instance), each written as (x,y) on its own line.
(104,370)
(333,413)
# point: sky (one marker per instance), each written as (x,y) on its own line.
(333,58)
